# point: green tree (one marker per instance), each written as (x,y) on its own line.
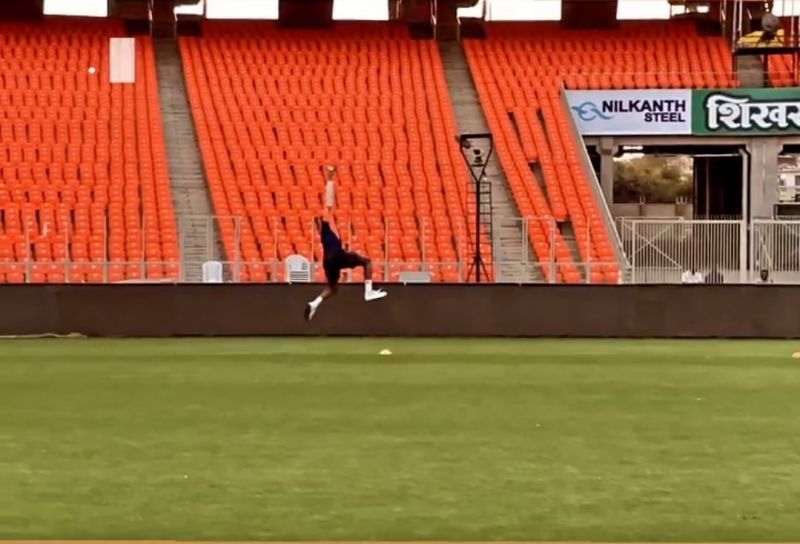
(657,180)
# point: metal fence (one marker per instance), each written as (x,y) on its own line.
(541,250)
(525,250)
(254,250)
(775,248)
(442,252)
(723,251)
(662,250)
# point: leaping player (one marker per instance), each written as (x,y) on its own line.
(335,257)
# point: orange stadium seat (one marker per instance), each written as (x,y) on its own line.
(783,71)
(519,71)
(83,172)
(273,106)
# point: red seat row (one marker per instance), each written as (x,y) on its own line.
(519,72)
(272,107)
(84,185)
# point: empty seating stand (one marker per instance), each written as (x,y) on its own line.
(84,190)
(519,71)
(782,71)
(273,106)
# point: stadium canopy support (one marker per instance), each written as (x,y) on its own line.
(594,14)
(21,9)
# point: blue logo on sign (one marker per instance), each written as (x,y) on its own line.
(588,111)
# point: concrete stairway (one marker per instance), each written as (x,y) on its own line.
(514,262)
(750,70)
(198,231)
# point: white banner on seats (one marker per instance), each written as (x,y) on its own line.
(122,60)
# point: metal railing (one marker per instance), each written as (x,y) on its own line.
(528,250)
(775,248)
(729,251)
(516,260)
(253,249)
(274,271)
(661,250)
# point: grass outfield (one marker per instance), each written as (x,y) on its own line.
(322,439)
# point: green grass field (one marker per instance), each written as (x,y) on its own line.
(322,439)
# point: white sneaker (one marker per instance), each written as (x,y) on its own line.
(310,311)
(375,294)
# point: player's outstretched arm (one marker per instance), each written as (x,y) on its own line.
(330,178)
(330,196)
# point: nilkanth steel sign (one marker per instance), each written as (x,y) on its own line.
(631,112)
(746,111)
(723,112)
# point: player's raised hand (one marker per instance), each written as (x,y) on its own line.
(330,190)
(330,172)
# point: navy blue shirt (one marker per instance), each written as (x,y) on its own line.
(330,242)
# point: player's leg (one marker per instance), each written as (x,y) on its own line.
(354,260)
(332,274)
(369,292)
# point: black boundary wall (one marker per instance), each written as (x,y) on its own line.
(725,311)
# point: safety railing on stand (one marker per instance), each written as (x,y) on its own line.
(662,250)
(775,248)
(228,250)
(236,250)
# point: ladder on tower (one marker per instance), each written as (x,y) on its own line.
(479,219)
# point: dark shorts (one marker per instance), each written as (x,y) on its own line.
(340,260)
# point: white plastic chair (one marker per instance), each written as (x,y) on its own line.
(415,277)
(212,272)
(298,269)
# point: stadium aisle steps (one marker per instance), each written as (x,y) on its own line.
(511,264)
(199,234)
